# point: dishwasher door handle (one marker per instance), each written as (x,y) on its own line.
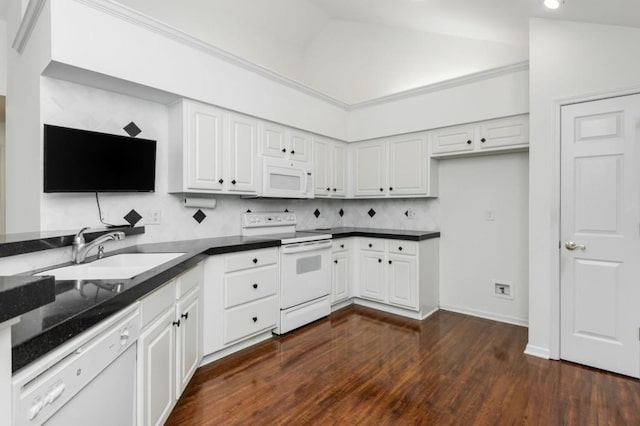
(302,247)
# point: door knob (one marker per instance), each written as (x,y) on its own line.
(570,245)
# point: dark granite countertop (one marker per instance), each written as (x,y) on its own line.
(393,234)
(19,295)
(13,244)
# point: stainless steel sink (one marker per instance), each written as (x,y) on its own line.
(120,266)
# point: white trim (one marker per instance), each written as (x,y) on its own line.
(537,351)
(215,356)
(393,309)
(151,24)
(446,84)
(27,25)
(341,305)
(554,291)
(486,315)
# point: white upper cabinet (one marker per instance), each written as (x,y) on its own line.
(394,167)
(504,134)
(243,172)
(330,165)
(282,142)
(210,149)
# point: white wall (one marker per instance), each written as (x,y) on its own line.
(356,62)
(3,57)
(499,96)
(474,252)
(568,59)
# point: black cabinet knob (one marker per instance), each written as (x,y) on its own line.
(379,260)
(185,315)
(335,189)
(255,319)
(483,140)
(400,248)
(292,151)
(381,189)
(469,142)
(255,260)
(233,182)
(284,149)
(220,181)
(176,323)
(328,189)
(390,262)
(370,245)
(335,261)
(341,245)
(255,285)
(390,188)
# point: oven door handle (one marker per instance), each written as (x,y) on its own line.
(302,247)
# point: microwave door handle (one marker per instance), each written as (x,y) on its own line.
(300,248)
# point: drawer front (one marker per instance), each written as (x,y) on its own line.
(251,318)
(157,302)
(189,280)
(372,244)
(403,247)
(250,259)
(253,284)
(341,245)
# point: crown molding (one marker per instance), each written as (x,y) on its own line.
(137,18)
(27,25)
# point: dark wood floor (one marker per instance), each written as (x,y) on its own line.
(365,367)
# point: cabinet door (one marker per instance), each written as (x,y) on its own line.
(299,146)
(204,147)
(243,155)
(453,140)
(188,339)
(403,282)
(370,169)
(156,371)
(339,170)
(408,165)
(321,165)
(507,132)
(340,279)
(372,276)
(273,140)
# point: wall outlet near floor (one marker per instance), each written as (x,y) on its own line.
(152,217)
(502,290)
(489,215)
(411,214)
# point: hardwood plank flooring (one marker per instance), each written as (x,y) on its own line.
(360,366)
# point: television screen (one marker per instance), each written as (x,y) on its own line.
(83,161)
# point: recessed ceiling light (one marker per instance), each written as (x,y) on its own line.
(553,4)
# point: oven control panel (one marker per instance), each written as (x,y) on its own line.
(263,219)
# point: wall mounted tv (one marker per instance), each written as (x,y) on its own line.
(83,161)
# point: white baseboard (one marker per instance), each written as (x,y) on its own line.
(538,351)
(235,348)
(390,309)
(486,315)
(341,305)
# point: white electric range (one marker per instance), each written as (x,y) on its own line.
(305,267)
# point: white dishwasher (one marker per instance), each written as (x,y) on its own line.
(89,380)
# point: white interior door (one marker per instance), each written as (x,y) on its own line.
(600,227)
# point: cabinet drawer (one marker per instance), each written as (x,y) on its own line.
(403,247)
(250,259)
(251,318)
(341,245)
(189,280)
(157,302)
(372,244)
(246,286)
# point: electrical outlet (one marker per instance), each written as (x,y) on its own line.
(152,217)
(502,290)
(411,214)
(489,215)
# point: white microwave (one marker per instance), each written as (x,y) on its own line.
(287,179)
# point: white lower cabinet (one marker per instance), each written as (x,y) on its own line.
(372,275)
(241,298)
(169,348)
(341,276)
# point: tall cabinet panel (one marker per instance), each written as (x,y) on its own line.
(322,167)
(243,173)
(369,169)
(330,167)
(407,165)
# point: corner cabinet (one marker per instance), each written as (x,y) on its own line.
(169,348)
(398,166)
(509,134)
(330,166)
(212,151)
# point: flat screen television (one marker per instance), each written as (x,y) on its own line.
(83,161)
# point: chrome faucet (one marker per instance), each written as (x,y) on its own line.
(81,248)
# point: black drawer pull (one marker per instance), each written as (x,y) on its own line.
(390,188)
(335,261)
(328,189)
(255,319)
(370,245)
(379,260)
(185,315)
(400,248)
(176,323)
(293,152)
(381,189)
(255,260)
(284,149)
(233,182)
(483,140)
(221,181)
(335,189)
(390,262)
(469,142)
(341,245)
(255,285)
